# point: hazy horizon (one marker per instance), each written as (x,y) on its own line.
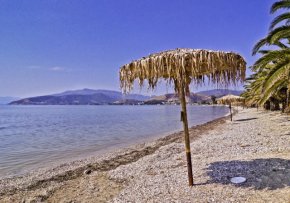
(145,93)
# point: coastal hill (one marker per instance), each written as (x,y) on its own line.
(199,97)
(220,92)
(100,97)
(81,97)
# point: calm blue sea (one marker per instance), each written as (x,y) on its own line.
(40,136)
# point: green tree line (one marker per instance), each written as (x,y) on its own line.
(269,85)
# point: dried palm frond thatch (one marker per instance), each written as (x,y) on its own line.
(227,99)
(184,66)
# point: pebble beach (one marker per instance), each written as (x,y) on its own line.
(255,145)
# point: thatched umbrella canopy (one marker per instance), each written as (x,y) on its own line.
(229,99)
(183,67)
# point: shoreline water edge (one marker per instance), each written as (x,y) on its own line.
(144,148)
(61,134)
(102,178)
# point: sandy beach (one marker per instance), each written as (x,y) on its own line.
(256,145)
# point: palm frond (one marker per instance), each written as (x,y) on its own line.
(280,72)
(271,57)
(279,19)
(271,91)
(278,34)
(263,51)
(260,44)
(281,45)
(283,4)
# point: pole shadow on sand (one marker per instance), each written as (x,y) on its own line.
(271,174)
(245,119)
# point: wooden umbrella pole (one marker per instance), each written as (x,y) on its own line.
(186,134)
(230,106)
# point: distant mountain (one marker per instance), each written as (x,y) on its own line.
(99,97)
(7,100)
(220,92)
(80,97)
(115,95)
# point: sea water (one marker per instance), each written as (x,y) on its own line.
(40,136)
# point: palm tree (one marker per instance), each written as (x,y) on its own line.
(275,67)
(272,70)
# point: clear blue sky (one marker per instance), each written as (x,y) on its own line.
(54,45)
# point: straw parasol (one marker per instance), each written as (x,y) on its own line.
(229,99)
(183,67)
